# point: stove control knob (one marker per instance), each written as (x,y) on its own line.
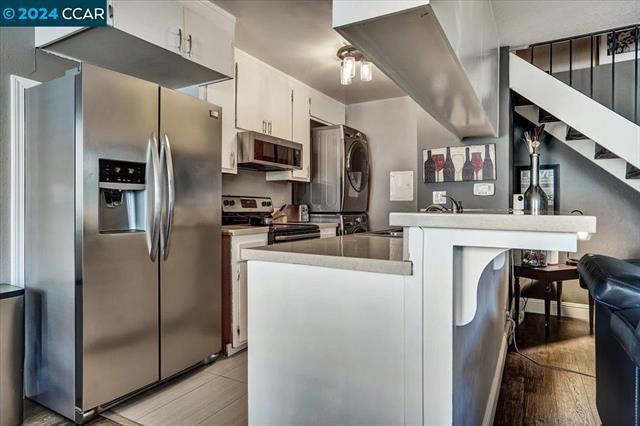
(268,203)
(232,203)
(358,219)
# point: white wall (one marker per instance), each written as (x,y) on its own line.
(390,125)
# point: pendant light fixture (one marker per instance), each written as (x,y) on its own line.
(349,57)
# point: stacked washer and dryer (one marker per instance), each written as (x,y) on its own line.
(340,173)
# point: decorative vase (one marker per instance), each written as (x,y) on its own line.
(535,200)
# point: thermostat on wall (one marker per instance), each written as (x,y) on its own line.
(484,189)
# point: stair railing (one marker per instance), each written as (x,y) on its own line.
(612,46)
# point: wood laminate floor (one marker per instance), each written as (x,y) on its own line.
(530,395)
(217,394)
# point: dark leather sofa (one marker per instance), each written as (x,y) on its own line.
(614,284)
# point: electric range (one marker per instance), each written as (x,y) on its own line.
(258,211)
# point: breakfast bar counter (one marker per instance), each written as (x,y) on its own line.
(372,330)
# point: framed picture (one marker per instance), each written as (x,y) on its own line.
(459,163)
(625,46)
(549,182)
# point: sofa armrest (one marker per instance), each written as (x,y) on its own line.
(612,282)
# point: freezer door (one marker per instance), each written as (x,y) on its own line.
(117,120)
(190,275)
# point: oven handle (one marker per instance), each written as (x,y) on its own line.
(282,238)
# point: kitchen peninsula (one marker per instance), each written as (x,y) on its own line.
(371,330)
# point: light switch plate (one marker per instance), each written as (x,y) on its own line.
(484,189)
(439,197)
(401,186)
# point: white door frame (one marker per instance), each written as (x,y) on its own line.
(18,84)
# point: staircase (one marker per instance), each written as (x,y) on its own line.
(592,129)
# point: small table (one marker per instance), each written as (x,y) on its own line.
(548,274)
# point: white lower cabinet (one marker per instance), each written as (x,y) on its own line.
(234,288)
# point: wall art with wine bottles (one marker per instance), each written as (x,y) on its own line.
(460,163)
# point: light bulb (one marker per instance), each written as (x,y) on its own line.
(345,73)
(350,64)
(366,70)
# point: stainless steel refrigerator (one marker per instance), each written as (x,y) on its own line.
(122,245)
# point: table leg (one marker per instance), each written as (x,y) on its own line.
(559,299)
(590,314)
(547,307)
(516,300)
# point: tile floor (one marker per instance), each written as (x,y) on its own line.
(213,395)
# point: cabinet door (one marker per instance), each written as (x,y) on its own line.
(208,37)
(159,23)
(251,87)
(301,128)
(326,109)
(223,95)
(278,106)
(239,286)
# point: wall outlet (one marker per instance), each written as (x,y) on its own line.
(439,197)
(484,189)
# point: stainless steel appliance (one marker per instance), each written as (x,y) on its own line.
(258,151)
(347,223)
(11,354)
(122,238)
(340,172)
(257,211)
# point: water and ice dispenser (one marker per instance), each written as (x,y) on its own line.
(122,196)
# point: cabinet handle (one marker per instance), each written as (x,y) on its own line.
(264,126)
(233,159)
(269,127)
(190,40)
(180,40)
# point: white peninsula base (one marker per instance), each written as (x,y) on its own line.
(333,345)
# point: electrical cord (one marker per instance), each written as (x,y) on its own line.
(538,363)
(512,334)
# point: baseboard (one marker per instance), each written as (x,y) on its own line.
(569,309)
(492,402)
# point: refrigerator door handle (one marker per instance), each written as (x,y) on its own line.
(166,158)
(154,197)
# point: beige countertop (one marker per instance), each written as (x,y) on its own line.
(496,221)
(354,253)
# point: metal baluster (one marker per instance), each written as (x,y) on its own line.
(635,86)
(550,58)
(532,55)
(613,69)
(571,62)
(591,71)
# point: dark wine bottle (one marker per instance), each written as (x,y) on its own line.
(429,169)
(449,170)
(487,165)
(467,168)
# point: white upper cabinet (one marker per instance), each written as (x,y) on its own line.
(209,36)
(251,94)
(300,132)
(223,95)
(160,24)
(173,43)
(326,109)
(263,102)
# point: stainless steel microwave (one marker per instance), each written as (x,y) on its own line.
(268,153)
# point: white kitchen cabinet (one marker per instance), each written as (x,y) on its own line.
(160,23)
(263,102)
(300,132)
(326,109)
(209,36)
(173,43)
(223,95)
(234,282)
